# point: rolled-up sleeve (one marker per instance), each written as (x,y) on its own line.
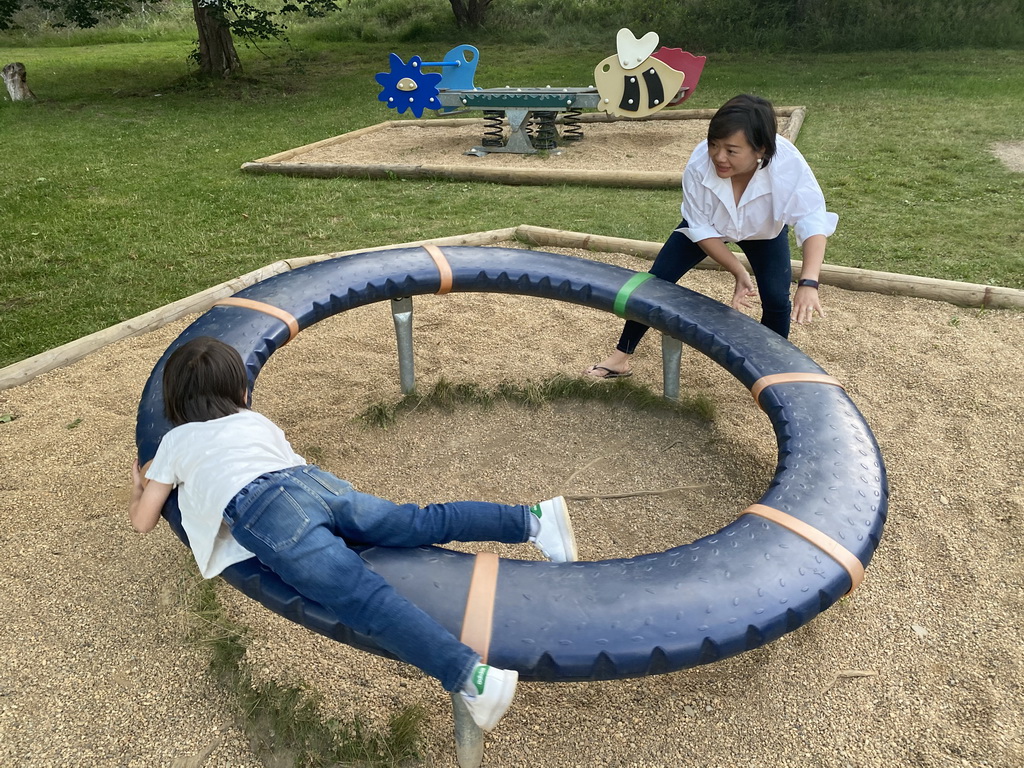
(160,469)
(825,224)
(805,210)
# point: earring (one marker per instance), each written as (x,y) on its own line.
(760,160)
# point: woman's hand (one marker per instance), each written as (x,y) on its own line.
(806,303)
(744,291)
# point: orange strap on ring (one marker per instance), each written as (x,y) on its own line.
(478,620)
(850,562)
(784,378)
(443,267)
(267,309)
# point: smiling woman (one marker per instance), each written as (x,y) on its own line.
(746,185)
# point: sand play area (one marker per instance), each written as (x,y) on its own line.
(648,153)
(921,666)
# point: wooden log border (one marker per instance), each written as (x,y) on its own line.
(851,278)
(790,120)
(950,291)
(26,370)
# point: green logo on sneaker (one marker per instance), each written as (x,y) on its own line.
(535,510)
(480,677)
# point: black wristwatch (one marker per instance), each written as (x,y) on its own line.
(807,283)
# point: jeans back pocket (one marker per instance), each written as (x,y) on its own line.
(276,519)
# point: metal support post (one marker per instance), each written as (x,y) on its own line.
(469,737)
(401,312)
(671,357)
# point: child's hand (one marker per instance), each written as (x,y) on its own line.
(138,480)
(148,497)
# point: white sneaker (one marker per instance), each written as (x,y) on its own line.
(493,690)
(556,539)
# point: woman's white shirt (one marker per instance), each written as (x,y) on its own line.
(210,462)
(785,192)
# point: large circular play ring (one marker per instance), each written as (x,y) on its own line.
(783,561)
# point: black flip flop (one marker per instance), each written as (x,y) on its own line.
(608,373)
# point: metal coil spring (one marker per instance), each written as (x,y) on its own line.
(494,132)
(544,134)
(572,128)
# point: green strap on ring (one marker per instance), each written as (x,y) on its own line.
(619,308)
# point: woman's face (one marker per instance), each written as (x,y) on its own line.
(733,156)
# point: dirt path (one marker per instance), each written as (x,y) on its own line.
(922,666)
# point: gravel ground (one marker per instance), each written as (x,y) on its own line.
(922,666)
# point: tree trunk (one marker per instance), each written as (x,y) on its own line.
(217,55)
(469,14)
(14,78)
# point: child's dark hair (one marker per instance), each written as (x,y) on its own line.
(204,379)
(752,115)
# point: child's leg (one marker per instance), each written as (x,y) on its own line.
(366,519)
(289,531)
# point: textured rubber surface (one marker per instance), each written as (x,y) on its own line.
(730,592)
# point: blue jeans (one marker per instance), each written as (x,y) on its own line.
(302,522)
(769,260)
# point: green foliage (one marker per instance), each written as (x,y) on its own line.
(249,22)
(284,723)
(450,396)
(168,20)
(696,25)
(767,25)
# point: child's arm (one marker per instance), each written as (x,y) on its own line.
(148,497)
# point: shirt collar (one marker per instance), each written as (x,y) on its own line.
(760,184)
(720,188)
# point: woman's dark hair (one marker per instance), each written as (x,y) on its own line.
(204,379)
(752,115)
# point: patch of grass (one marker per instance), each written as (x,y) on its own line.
(449,396)
(283,723)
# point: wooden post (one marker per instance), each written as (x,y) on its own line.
(28,369)
(15,80)
(510,176)
(850,278)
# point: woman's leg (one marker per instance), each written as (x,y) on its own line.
(677,256)
(770,262)
(288,528)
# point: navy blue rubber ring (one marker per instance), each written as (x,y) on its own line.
(743,586)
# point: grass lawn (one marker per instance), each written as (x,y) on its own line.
(120,189)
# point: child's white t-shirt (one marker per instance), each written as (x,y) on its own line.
(210,462)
